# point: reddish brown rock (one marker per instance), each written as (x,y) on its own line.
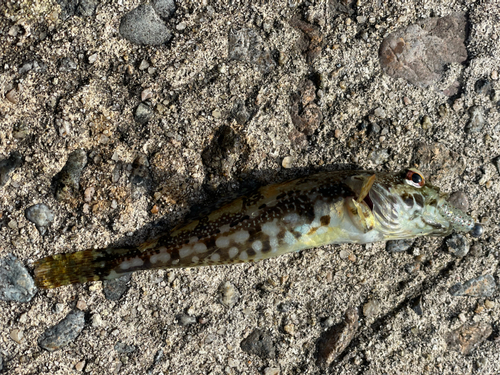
(420,52)
(468,337)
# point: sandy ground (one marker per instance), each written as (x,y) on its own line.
(195,87)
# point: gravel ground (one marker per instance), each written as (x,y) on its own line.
(241,95)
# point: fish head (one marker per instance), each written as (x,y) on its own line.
(404,205)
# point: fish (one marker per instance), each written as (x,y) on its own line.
(330,207)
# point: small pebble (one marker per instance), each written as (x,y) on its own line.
(143,25)
(143,65)
(407,100)
(185,319)
(80,366)
(442,110)
(17,335)
(457,245)
(494,75)
(41,216)
(476,122)
(482,286)
(143,113)
(216,114)
(181,26)
(16,283)
(240,112)
(116,288)
(468,337)
(398,246)
(97,320)
(287,162)
(81,305)
(67,181)
(64,332)
(259,343)
(483,87)
(426,122)
(123,348)
(8,165)
(271,371)
(371,308)
(489,304)
(334,341)
(67,65)
(229,295)
(93,59)
(290,329)
(146,94)
(11,96)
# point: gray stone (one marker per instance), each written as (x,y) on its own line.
(482,286)
(457,245)
(70,8)
(122,348)
(185,319)
(164,8)
(41,216)
(64,332)
(143,26)
(398,246)
(7,166)
(476,122)
(259,343)
(420,52)
(240,113)
(116,288)
(67,65)
(229,295)
(483,87)
(459,200)
(67,181)
(143,113)
(16,283)
(469,337)
(247,46)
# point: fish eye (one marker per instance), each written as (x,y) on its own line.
(414,178)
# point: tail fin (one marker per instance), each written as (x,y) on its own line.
(80,267)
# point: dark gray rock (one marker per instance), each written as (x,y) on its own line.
(240,113)
(247,46)
(67,181)
(420,52)
(476,122)
(143,25)
(7,166)
(41,216)
(334,341)
(259,343)
(116,288)
(398,246)
(64,332)
(143,113)
(122,348)
(70,8)
(185,320)
(482,286)
(164,8)
(16,283)
(483,87)
(67,65)
(457,245)
(140,178)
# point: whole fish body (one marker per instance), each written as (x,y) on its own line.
(324,208)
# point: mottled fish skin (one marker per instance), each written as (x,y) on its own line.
(323,208)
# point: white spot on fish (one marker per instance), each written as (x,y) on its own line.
(243,255)
(233,252)
(222,242)
(134,262)
(271,229)
(303,229)
(200,247)
(225,228)
(195,259)
(291,218)
(273,242)
(240,236)
(161,257)
(215,257)
(184,251)
(193,239)
(289,238)
(257,246)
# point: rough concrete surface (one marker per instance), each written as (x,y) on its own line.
(222,124)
